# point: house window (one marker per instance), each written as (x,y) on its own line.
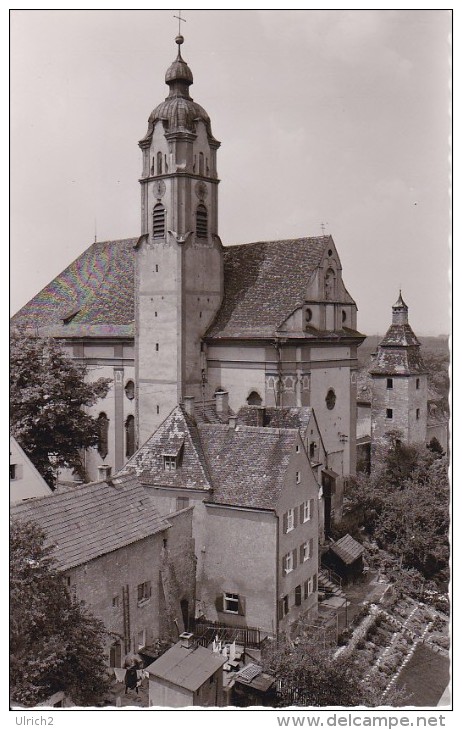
(417,383)
(129,436)
(288,563)
(158,221)
(201,221)
(389,412)
(169,462)
(298,595)
(306,550)
(144,592)
(306,510)
(182,502)
(389,383)
(13,474)
(307,588)
(297,449)
(330,399)
(289,520)
(312,449)
(157,347)
(130,390)
(298,477)
(417,413)
(103,431)
(231,602)
(141,638)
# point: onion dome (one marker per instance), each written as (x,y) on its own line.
(179,112)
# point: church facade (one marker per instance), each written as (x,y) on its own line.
(174,314)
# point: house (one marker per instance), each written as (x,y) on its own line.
(134,569)
(256,511)
(172,313)
(187,675)
(25,481)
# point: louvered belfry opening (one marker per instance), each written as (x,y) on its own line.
(158,221)
(201,222)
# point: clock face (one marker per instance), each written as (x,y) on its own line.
(159,189)
(201,190)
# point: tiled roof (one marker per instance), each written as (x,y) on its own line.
(247,464)
(264,283)
(400,335)
(298,417)
(347,549)
(97,289)
(93,519)
(178,433)
(187,668)
(398,353)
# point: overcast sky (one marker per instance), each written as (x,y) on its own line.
(334,117)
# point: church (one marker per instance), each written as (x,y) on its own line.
(173,314)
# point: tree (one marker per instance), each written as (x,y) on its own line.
(311,676)
(48,397)
(55,643)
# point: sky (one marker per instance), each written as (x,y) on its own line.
(329,119)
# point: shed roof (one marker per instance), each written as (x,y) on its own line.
(347,549)
(91,520)
(187,668)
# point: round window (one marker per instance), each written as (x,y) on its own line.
(330,399)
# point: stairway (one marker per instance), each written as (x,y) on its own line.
(329,584)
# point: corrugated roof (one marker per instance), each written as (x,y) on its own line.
(347,549)
(264,283)
(187,668)
(96,289)
(93,519)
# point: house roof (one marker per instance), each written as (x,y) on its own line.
(264,283)
(178,431)
(248,465)
(95,291)
(299,417)
(93,519)
(347,549)
(186,668)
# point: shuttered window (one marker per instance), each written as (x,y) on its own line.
(201,221)
(158,221)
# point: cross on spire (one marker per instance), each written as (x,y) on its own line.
(180,20)
(323,227)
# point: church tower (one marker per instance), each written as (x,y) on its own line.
(399,383)
(179,258)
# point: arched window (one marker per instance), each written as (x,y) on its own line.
(159,163)
(103,431)
(158,221)
(201,221)
(201,163)
(130,390)
(129,436)
(329,284)
(254,399)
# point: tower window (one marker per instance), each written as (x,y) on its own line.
(417,413)
(417,383)
(329,285)
(158,221)
(129,436)
(330,399)
(254,399)
(201,221)
(159,163)
(389,412)
(389,383)
(201,163)
(157,347)
(158,410)
(308,315)
(344,315)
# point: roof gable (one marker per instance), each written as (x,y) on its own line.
(177,435)
(91,520)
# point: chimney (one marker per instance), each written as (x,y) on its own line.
(186,640)
(260,415)
(222,403)
(104,472)
(188,403)
(232,421)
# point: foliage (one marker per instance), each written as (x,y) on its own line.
(310,675)
(48,396)
(55,643)
(404,506)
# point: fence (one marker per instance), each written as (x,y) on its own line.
(206,631)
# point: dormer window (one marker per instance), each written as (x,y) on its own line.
(170,462)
